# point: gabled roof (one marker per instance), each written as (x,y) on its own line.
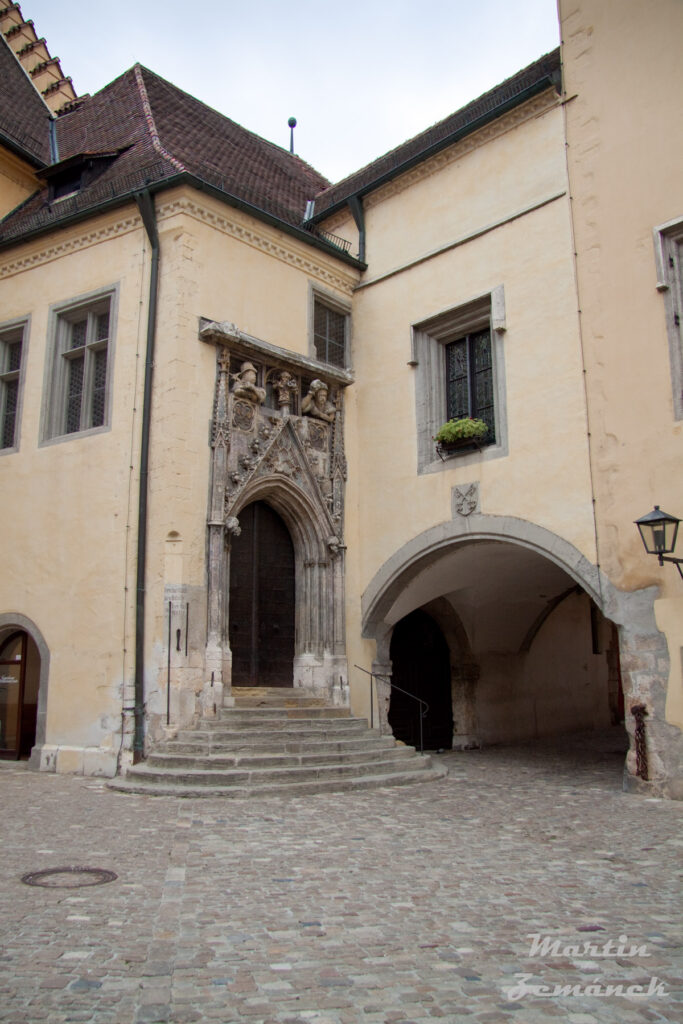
(515,90)
(161,134)
(24,116)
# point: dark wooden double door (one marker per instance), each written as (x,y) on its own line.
(261,610)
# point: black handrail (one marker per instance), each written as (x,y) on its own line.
(387,679)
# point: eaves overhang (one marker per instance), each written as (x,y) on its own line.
(17,149)
(180,178)
(547,81)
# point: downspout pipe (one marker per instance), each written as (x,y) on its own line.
(356,208)
(145,205)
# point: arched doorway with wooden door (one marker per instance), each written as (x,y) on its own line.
(19,687)
(262,589)
(420,660)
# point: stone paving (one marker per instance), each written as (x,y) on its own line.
(387,907)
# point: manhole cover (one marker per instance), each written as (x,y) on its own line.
(68,878)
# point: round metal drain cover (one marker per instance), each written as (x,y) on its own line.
(68,878)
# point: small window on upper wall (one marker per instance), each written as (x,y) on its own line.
(469,380)
(81,368)
(11,363)
(458,357)
(330,333)
(669,258)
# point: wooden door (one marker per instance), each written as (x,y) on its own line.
(261,610)
(12,684)
(421,666)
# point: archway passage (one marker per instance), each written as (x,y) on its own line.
(261,609)
(421,666)
(19,682)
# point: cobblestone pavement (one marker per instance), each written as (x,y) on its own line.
(394,905)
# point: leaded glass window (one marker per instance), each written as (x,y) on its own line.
(83,344)
(11,344)
(469,380)
(329,334)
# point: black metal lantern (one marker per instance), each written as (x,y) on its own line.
(658,531)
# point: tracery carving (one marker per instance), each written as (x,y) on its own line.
(270,444)
(243,415)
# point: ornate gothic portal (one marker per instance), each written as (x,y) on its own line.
(261,603)
(276,521)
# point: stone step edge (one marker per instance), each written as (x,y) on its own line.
(277,759)
(247,776)
(433,773)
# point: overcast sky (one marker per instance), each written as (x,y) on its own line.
(360,76)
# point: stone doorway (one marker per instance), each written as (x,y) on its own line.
(19,684)
(262,586)
(420,661)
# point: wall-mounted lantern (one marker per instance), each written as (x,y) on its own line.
(658,531)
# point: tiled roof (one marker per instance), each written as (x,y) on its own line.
(160,132)
(512,91)
(24,117)
(154,132)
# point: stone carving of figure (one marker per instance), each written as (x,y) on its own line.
(245,385)
(316,404)
(284,386)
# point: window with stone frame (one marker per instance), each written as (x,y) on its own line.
(81,368)
(330,332)
(11,361)
(459,361)
(668,240)
(469,380)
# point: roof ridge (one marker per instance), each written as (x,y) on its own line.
(151,124)
(280,150)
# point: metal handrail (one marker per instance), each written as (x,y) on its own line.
(387,679)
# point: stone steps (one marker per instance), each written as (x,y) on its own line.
(276,742)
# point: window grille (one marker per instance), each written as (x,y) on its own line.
(11,344)
(469,380)
(329,334)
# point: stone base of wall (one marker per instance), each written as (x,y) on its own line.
(97,761)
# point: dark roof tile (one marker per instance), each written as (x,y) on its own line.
(24,117)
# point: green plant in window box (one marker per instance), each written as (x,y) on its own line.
(465,429)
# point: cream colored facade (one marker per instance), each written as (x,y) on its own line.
(523,553)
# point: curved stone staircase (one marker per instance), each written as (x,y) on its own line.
(273,743)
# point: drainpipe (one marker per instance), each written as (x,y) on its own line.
(356,208)
(145,205)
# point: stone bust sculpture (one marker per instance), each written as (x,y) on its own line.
(245,385)
(316,404)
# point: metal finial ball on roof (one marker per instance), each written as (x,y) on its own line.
(292,122)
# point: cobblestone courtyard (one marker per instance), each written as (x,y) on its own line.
(406,905)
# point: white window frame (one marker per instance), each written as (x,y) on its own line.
(62,317)
(337,305)
(11,332)
(668,243)
(429,338)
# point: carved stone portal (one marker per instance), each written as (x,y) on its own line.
(277,436)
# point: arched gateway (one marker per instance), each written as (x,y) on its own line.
(276,521)
(540,653)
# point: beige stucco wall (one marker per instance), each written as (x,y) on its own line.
(66,564)
(624,79)
(220,264)
(543,476)
(70,505)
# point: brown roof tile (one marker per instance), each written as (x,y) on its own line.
(161,131)
(24,117)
